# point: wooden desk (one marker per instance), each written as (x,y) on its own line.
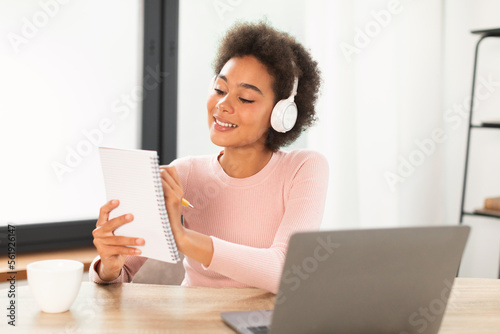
(136,308)
(474,307)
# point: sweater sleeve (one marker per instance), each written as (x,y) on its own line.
(304,206)
(130,268)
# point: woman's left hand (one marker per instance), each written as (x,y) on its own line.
(173,192)
(192,244)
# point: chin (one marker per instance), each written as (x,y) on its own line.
(218,141)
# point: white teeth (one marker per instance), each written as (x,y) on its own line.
(227,125)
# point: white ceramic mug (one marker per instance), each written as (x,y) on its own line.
(55,283)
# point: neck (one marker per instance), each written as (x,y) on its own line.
(241,163)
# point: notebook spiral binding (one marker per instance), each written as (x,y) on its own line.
(167,231)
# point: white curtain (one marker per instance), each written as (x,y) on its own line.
(380,111)
(394,115)
(393,73)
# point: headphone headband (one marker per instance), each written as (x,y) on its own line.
(294,89)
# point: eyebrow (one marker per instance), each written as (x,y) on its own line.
(244,85)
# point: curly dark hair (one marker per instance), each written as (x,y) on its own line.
(284,59)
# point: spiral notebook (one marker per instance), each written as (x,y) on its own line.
(133,177)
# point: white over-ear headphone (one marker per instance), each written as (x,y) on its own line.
(284,114)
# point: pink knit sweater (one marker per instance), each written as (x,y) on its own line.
(250,220)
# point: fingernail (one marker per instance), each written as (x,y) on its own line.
(137,251)
(113,201)
(139,241)
(128,216)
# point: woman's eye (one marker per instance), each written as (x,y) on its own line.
(245,100)
(218,91)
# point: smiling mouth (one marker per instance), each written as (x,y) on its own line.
(227,125)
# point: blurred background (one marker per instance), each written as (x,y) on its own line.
(393,110)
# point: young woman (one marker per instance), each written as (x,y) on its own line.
(253,196)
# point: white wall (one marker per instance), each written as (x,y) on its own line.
(482,255)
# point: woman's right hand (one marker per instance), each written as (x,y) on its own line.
(112,249)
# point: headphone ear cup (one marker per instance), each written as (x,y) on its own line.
(284,116)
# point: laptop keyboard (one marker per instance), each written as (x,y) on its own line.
(259,329)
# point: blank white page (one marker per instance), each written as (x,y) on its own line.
(132,177)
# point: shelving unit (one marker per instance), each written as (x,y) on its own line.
(487,126)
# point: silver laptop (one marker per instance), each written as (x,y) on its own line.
(392,280)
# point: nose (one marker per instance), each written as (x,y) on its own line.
(224,105)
